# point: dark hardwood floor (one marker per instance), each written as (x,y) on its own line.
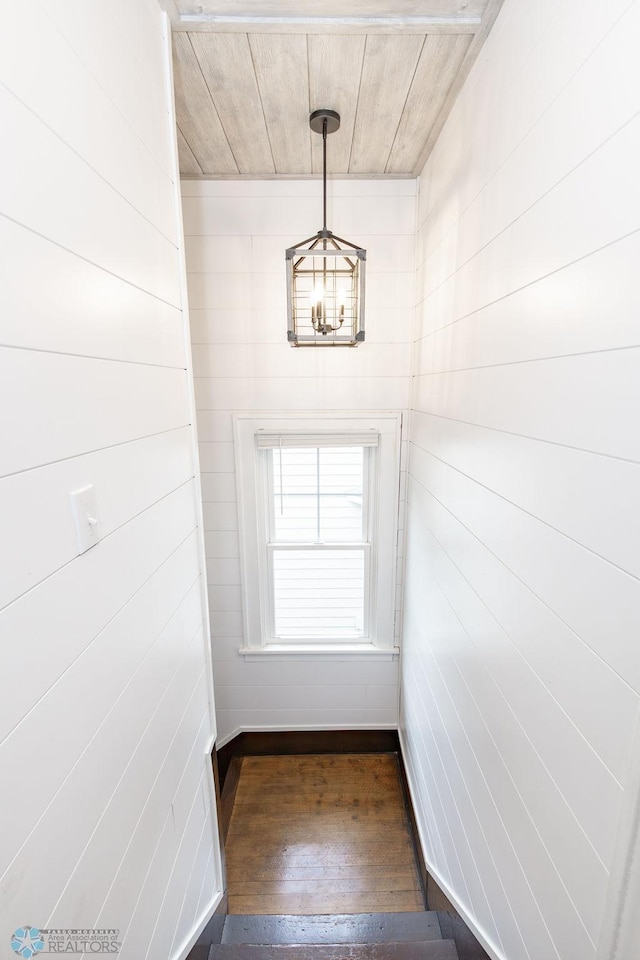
(324,834)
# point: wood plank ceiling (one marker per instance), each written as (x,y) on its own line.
(249,72)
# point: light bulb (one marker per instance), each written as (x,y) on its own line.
(317,294)
(342,298)
(316,301)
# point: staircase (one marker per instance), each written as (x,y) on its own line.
(369,936)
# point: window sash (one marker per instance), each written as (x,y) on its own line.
(368,468)
(271,441)
(363,544)
(317,548)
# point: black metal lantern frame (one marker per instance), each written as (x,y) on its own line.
(325,275)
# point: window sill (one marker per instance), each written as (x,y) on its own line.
(320,651)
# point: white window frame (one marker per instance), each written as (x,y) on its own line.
(253,512)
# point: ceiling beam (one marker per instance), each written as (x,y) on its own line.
(333,8)
(215,23)
(321,16)
(297,176)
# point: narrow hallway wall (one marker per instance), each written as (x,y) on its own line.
(521,665)
(236,235)
(105,721)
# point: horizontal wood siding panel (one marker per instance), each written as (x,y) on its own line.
(91,404)
(236,236)
(236,325)
(110,836)
(388,253)
(36,511)
(493,271)
(343,188)
(145,542)
(576,600)
(176,782)
(105,719)
(38,196)
(196,828)
(584,418)
(270,361)
(126,323)
(262,215)
(531,76)
(104,140)
(602,284)
(551,750)
(143,32)
(520,673)
(44,893)
(122,66)
(266,293)
(565,488)
(290,394)
(279,674)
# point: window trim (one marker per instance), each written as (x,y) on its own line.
(252,509)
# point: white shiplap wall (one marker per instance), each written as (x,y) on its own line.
(521,670)
(236,235)
(105,720)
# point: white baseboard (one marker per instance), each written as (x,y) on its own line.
(494,952)
(183,952)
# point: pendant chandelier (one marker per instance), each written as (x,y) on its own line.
(325,274)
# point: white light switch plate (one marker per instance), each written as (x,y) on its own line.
(85,514)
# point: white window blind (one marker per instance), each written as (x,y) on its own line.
(267,441)
(317,493)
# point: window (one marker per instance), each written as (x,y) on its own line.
(319,537)
(318,511)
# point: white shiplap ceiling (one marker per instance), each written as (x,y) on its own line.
(249,72)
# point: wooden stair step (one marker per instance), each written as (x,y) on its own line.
(332,929)
(407,950)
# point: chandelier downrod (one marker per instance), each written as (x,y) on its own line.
(324,122)
(324,175)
